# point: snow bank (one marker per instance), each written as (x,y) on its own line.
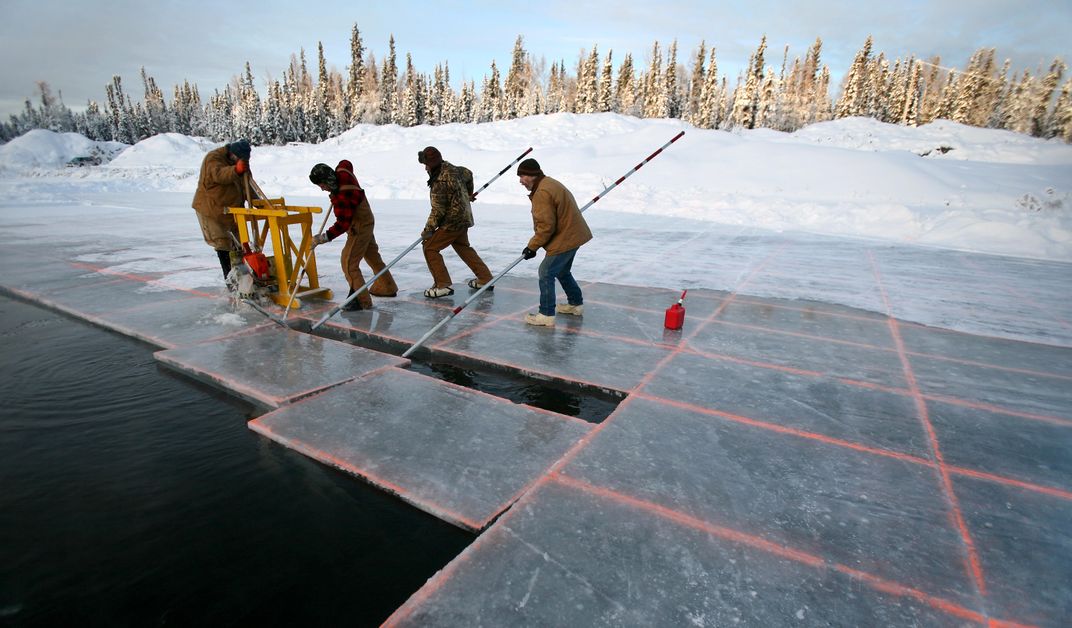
(47,149)
(943,184)
(167,150)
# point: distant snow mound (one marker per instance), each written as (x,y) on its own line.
(167,150)
(940,139)
(47,149)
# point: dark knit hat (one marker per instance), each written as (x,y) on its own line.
(430,156)
(529,167)
(239,148)
(323,174)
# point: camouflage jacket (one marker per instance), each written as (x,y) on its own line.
(449,190)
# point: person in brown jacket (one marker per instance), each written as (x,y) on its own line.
(450,190)
(353,216)
(560,228)
(221,186)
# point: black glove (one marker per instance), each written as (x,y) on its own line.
(528,253)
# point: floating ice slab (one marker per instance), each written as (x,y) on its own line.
(274,366)
(460,455)
(573,555)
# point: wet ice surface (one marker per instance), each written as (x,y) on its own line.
(1024,299)
(273,366)
(460,455)
(792,455)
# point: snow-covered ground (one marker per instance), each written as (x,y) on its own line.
(853,183)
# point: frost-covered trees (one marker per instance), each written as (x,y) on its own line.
(309,107)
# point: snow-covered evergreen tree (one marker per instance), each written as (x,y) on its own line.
(517,82)
(654,94)
(155,108)
(948,98)
(853,100)
(588,83)
(934,83)
(120,112)
(388,86)
(491,96)
(554,91)
(671,90)
(1041,120)
(746,96)
(767,108)
(355,84)
(912,95)
(606,85)
(705,117)
(93,123)
(626,88)
(998,93)
(697,80)
(1062,113)
(412,113)
(467,105)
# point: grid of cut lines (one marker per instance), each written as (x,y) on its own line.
(934,460)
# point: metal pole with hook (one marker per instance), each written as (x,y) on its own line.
(305,264)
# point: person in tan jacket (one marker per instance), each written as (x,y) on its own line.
(560,228)
(221,186)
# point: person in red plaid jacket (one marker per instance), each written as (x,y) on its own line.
(353,216)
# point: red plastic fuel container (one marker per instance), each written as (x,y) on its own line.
(675,314)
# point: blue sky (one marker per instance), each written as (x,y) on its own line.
(77,47)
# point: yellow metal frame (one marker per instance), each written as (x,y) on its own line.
(277,218)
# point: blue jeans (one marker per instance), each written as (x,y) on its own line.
(558,267)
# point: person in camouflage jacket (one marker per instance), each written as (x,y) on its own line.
(450,190)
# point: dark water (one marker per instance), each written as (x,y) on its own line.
(587,407)
(130,496)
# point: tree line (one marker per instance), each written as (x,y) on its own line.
(302,108)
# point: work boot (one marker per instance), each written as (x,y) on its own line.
(566,308)
(435,293)
(225,261)
(475,284)
(354,305)
(540,320)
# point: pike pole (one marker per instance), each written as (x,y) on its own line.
(496,278)
(305,264)
(335,310)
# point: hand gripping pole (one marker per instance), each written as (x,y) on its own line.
(335,310)
(494,279)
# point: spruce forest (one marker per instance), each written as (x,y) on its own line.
(774,92)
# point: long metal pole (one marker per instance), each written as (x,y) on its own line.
(503,171)
(491,283)
(305,264)
(335,310)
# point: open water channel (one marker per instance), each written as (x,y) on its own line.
(131,496)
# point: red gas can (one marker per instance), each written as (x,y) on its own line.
(675,314)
